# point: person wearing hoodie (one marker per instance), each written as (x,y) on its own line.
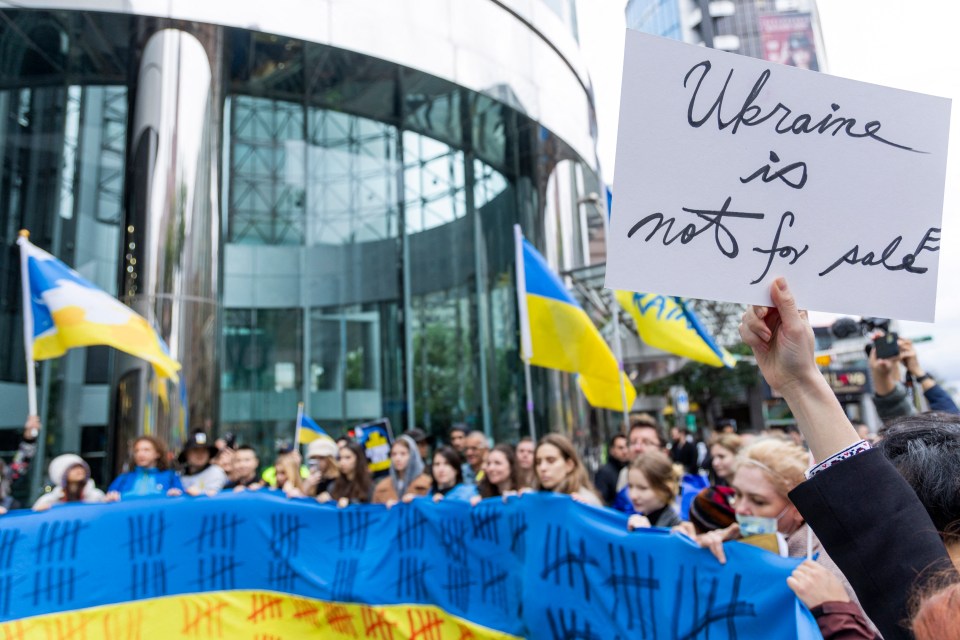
(406,474)
(71,475)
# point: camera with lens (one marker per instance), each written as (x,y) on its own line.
(886,343)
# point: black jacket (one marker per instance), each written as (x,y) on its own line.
(876,530)
(606,480)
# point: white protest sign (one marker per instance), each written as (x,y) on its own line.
(733,171)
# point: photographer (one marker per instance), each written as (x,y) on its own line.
(891,397)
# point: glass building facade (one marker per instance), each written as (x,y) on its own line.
(312,210)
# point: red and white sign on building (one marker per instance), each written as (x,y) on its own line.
(789,40)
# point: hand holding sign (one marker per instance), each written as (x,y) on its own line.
(732,172)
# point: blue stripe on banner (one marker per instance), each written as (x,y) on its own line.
(540,566)
(540,279)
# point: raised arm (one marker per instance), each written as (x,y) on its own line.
(782,341)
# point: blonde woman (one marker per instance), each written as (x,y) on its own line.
(763,474)
(723,452)
(288,475)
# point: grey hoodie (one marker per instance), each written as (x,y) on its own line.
(414,467)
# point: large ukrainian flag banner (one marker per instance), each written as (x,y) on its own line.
(666,323)
(67,311)
(562,335)
(257,566)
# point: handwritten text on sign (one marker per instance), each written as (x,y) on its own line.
(732,171)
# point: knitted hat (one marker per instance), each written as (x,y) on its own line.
(711,509)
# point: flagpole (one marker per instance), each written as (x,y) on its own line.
(526,343)
(529,386)
(605,213)
(27,324)
(620,372)
(296,433)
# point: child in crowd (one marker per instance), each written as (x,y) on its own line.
(653,483)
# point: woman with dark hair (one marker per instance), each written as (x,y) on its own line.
(150,474)
(500,473)
(925,449)
(353,485)
(447,471)
(72,483)
(560,470)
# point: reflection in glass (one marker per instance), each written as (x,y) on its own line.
(350,180)
(262,350)
(265,207)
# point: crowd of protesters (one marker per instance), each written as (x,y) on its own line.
(876,515)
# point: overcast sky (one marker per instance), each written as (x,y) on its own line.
(898,43)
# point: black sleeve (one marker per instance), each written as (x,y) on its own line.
(876,530)
(606,483)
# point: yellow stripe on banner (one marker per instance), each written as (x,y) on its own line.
(252,615)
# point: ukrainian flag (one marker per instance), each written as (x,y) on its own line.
(665,322)
(557,333)
(67,311)
(310,430)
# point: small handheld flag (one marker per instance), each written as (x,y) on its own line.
(307,429)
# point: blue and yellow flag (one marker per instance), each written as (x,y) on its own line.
(232,566)
(67,311)
(562,336)
(310,430)
(665,322)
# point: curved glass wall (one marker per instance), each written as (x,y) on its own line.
(366,216)
(369,249)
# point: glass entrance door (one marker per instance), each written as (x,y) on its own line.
(343,369)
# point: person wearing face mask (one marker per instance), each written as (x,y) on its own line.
(406,474)
(868,515)
(71,475)
(764,473)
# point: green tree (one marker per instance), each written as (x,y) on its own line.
(708,386)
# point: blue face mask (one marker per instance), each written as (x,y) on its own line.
(756,525)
